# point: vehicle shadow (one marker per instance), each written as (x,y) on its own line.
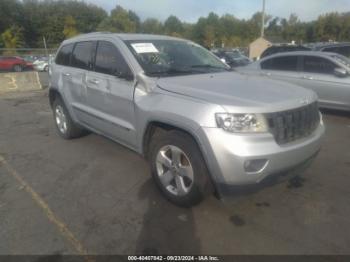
(166,229)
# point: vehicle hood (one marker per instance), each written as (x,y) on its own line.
(236,92)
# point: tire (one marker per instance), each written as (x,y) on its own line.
(65,126)
(177,186)
(17,68)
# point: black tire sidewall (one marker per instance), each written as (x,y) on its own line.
(19,68)
(201,184)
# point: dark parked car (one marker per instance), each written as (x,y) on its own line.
(14,63)
(233,58)
(283,48)
(339,48)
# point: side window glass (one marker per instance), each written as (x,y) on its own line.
(82,55)
(320,65)
(331,49)
(284,63)
(345,51)
(110,61)
(63,56)
(267,64)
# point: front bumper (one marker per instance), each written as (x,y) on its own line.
(227,155)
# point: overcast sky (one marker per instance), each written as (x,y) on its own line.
(191,10)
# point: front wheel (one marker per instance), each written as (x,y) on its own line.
(178,168)
(65,125)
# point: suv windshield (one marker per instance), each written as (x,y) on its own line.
(174,57)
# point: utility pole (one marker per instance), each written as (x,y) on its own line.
(46,53)
(263,20)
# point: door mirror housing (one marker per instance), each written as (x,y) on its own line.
(125,75)
(340,72)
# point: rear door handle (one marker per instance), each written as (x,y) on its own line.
(308,77)
(66,74)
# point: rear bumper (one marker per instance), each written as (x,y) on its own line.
(228,155)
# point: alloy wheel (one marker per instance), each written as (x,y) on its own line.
(61,119)
(174,170)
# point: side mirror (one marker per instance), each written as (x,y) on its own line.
(223,60)
(340,72)
(125,75)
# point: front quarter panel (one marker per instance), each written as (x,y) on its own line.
(180,111)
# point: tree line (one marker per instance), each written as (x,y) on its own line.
(25,23)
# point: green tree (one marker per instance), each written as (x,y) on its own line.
(136,19)
(152,26)
(331,27)
(118,21)
(293,29)
(10,13)
(70,29)
(13,37)
(173,26)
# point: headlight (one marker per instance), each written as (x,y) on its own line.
(242,123)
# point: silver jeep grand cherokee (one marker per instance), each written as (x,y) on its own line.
(199,125)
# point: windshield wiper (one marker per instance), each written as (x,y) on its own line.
(210,67)
(171,71)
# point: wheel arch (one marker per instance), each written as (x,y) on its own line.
(53,94)
(154,127)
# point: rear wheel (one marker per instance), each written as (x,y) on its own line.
(17,68)
(179,169)
(65,126)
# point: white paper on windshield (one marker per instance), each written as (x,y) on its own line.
(141,48)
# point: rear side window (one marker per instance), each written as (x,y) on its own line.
(320,65)
(284,63)
(82,55)
(109,60)
(343,50)
(63,56)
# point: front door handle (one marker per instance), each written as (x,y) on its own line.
(93,81)
(66,74)
(266,74)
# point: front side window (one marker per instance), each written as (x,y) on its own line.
(82,55)
(283,63)
(110,61)
(174,57)
(63,56)
(319,65)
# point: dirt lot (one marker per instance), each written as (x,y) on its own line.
(94,196)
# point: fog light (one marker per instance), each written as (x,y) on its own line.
(255,166)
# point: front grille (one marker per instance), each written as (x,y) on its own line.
(291,125)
